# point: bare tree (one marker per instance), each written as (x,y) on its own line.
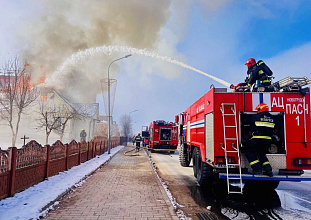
(126,124)
(55,118)
(17,93)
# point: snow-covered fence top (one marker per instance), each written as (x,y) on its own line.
(31,164)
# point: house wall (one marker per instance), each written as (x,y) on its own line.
(29,122)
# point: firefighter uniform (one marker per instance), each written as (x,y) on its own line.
(138,139)
(260,71)
(262,125)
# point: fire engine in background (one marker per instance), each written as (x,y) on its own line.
(145,134)
(163,136)
(212,129)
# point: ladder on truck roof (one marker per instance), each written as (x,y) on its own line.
(227,114)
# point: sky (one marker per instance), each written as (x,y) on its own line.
(216,37)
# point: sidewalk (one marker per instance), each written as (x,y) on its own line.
(125,188)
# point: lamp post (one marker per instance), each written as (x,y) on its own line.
(109,99)
(132,112)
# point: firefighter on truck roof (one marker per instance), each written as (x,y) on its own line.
(258,71)
(261,125)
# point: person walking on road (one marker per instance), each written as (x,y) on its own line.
(138,139)
(261,125)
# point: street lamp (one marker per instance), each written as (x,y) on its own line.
(132,112)
(109,99)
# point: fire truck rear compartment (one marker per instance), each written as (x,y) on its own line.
(277,150)
(278,139)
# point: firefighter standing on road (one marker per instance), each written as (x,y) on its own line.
(258,71)
(262,125)
(138,139)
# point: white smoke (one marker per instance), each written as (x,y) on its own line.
(60,28)
(64,27)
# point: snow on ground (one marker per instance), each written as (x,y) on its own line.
(180,214)
(34,201)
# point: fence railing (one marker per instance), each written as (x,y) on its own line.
(33,163)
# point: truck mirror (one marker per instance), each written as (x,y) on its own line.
(176,119)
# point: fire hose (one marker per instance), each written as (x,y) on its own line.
(136,153)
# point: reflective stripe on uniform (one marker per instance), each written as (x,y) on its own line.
(260,72)
(265,163)
(253,162)
(265,81)
(262,137)
(264,124)
(260,63)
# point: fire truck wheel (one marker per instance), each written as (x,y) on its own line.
(183,156)
(253,185)
(272,184)
(204,171)
(195,161)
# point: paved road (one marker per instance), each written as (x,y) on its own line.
(295,195)
(184,186)
(293,202)
(125,188)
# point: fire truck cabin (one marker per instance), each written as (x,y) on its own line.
(163,136)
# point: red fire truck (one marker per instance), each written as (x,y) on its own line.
(212,129)
(163,136)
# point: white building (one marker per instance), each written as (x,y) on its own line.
(29,122)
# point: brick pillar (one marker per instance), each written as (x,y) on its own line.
(79,158)
(88,151)
(100,148)
(93,149)
(13,169)
(67,157)
(47,167)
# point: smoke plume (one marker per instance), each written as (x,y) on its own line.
(64,27)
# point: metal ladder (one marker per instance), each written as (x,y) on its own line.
(226,114)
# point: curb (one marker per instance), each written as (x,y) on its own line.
(173,210)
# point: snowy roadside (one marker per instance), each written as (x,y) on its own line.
(180,214)
(34,201)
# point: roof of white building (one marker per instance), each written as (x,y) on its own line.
(87,109)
